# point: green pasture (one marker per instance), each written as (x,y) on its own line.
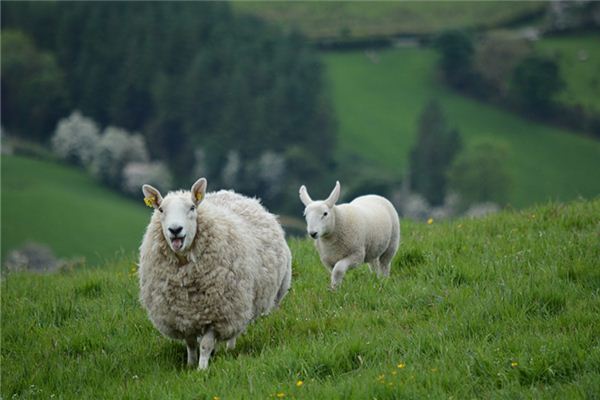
(66,209)
(504,307)
(579,60)
(362,19)
(379,95)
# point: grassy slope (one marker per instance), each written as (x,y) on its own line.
(378,105)
(505,307)
(582,77)
(361,19)
(65,208)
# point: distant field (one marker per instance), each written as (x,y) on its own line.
(501,308)
(378,100)
(345,20)
(579,60)
(66,209)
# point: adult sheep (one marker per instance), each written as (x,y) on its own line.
(209,265)
(364,230)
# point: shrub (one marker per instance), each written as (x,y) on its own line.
(75,139)
(480,174)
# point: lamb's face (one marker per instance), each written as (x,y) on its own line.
(177,213)
(320,219)
(178,219)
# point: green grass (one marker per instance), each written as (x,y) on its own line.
(66,209)
(581,75)
(347,20)
(503,307)
(378,106)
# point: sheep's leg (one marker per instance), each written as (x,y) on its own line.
(192,351)
(339,270)
(207,345)
(231,343)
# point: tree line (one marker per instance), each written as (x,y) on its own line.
(208,90)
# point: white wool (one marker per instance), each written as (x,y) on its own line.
(233,267)
(365,230)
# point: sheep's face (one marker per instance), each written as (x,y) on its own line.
(178,219)
(320,219)
(177,213)
(320,215)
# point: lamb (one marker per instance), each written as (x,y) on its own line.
(364,230)
(209,265)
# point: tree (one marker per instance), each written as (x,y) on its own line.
(75,139)
(456,57)
(34,94)
(535,83)
(495,59)
(480,174)
(432,154)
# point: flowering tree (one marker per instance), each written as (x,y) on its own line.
(135,174)
(75,139)
(115,150)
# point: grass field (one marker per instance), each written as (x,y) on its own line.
(348,20)
(504,307)
(579,60)
(66,209)
(378,100)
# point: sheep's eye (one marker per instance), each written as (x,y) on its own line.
(192,208)
(160,209)
(325,214)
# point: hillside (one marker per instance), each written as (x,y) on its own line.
(66,209)
(579,60)
(378,99)
(503,307)
(358,20)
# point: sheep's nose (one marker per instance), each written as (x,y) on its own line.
(175,231)
(313,235)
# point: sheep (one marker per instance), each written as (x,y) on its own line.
(210,264)
(346,235)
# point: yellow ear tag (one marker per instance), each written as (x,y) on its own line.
(150,201)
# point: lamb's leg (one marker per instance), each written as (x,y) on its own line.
(339,270)
(207,345)
(386,258)
(375,266)
(192,351)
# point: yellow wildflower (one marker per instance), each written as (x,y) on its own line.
(514,364)
(430,221)
(216,398)
(401,365)
(299,383)
(280,395)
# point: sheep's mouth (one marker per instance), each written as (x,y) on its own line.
(177,243)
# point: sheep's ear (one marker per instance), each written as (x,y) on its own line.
(304,197)
(152,196)
(198,190)
(334,196)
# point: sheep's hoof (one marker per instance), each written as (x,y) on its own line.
(203,364)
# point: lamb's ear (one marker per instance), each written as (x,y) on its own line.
(198,190)
(334,196)
(304,197)
(152,196)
